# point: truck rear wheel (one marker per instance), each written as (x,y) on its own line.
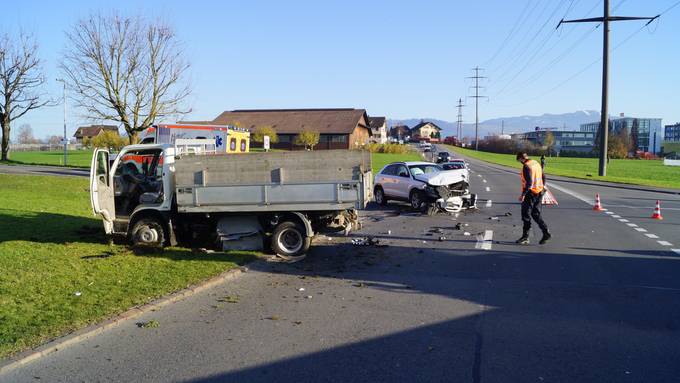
(289,239)
(147,232)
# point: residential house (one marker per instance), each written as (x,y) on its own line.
(378,127)
(427,131)
(92,131)
(400,132)
(344,128)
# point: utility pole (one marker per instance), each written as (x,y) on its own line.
(460,119)
(65,139)
(604,118)
(476,77)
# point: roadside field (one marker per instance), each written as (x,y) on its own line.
(58,272)
(76,158)
(379,160)
(636,172)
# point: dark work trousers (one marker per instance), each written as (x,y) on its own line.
(531,208)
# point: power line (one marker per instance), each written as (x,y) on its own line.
(476,87)
(510,34)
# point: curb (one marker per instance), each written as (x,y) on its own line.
(95,329)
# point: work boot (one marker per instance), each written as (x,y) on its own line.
(546,238)
(523,240)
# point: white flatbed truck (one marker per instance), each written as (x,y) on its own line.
(161,194)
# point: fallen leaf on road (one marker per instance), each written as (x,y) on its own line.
(150,324)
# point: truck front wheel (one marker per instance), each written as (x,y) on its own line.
(147,232)
(289,239)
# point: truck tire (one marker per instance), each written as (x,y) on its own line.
(289,239)
(148,232)
(417,199)
(379,196)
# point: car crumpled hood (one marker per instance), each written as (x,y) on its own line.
(443,178)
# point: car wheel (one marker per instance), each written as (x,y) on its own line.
(416,199)
(289,239)
(379,196)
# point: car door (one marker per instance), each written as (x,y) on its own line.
(101,189)
(402,182)
(386,180)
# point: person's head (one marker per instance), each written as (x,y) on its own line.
(522,157)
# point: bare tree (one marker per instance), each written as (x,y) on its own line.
(25,135)
(54,140)
(21,78)
(125,69)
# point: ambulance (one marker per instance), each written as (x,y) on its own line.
(227,138)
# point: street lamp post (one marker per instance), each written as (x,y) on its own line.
(65,139)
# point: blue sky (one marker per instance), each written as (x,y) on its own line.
(400,59)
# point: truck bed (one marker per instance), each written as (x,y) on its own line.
(275,181)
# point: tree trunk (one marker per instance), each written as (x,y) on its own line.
(5,141)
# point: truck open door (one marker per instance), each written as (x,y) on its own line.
(101,188)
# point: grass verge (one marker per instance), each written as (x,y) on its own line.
(58,272)
(379,160)
(635,172)
(76,158)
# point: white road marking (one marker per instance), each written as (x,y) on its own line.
(676,251)
(641,230)
(631,224)
(623,220)
(485,241)
(664,243)
(572,193)
(488,188)
(653,236)
(488,203)
(484,181)
(610,212)
(479,175)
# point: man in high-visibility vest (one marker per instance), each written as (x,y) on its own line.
(533,188)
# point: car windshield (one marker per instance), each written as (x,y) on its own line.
(443,154)
(424,168)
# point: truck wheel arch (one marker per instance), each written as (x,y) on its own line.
(162,218)
(303,220)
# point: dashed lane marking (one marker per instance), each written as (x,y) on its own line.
(623,220)
(616,216)
(631,224)
(641,230)
(488,188)
(609,212)
(664,243)
(485,240)
(488,203)
(653,236)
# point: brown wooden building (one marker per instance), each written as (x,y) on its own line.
(338,128)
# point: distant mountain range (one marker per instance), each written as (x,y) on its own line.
(564,121)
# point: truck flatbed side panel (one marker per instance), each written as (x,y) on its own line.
(272,168)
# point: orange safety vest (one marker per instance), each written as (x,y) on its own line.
(536,176)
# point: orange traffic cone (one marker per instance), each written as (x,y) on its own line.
(657,211)
(598,205)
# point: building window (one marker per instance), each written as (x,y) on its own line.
(338,138)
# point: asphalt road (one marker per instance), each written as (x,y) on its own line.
(599,303)
(44,170)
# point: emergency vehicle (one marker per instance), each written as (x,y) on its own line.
(228,139)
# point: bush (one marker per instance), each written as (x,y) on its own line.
(388,148)
(261,131)
(308,138)
(109,139)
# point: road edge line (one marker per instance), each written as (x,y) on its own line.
(95,329)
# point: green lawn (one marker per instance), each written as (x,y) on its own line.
(637,172)
(378,160)
(76,158)
(51,247)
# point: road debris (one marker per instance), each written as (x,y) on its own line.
(442,238)
(150,324)
(458,226)
(366,241)
(229,299)
(301,289)
(309,297)
(466,234)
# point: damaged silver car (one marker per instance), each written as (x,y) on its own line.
(424,184)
